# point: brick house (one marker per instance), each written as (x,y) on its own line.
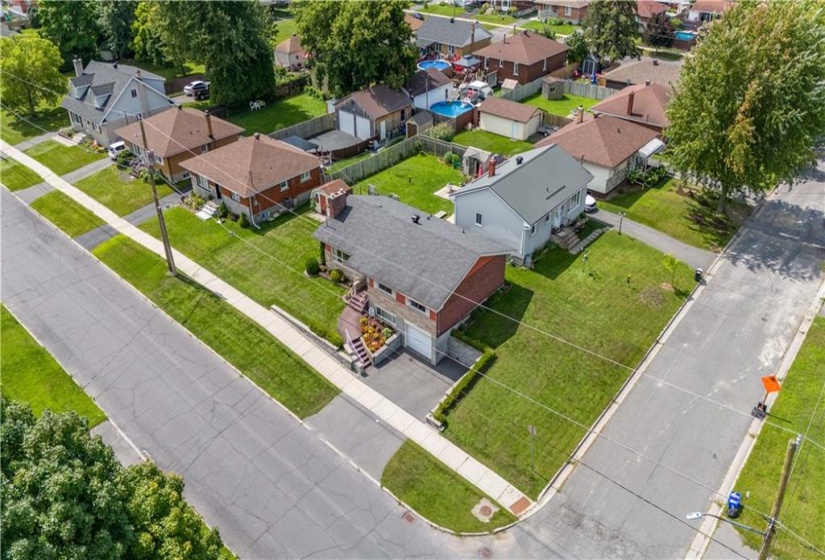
(256,176)
(176,135)
(571,11)
(421,275)
(524,57)
(644,104)
(646,9)
(451,37)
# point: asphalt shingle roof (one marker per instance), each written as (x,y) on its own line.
(649,104)
(427,80)
(525,47)
(378,100)
(425,261)
(507,109)
(545,178)
(447,31)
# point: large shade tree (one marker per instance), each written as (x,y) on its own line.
(611,30)
(354,44)
(750,102)
(72,26)
(115,17)
(30,70)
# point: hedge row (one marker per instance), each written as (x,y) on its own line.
(465,383)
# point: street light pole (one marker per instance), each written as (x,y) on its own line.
(780,497)
(150,168)
(698,514)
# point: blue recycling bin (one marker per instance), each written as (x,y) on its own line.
(734,504)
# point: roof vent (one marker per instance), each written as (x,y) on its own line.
(519,159)
(416,218)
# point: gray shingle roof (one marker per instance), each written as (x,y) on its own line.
(425,261)
(543,180)
(456,32)
(103,78)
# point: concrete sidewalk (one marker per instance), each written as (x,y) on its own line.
(692,256)
(26,144)
(385,410)
(87,170)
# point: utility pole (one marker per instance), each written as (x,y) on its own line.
(780,496)
(150,168)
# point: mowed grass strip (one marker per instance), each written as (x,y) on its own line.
(436,492)
(240,341)
(120,192)
(62,159)
(562,107)
(16,176)
(31,375)
(669,208)
(66,214)
(798,408)
(415,180)
(267,265)
(280,114)
(587,304)
(14,129)
(490,142)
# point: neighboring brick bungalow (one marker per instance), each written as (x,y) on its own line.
(524,57)
(571,11)
(178,134)
(646,9)
(451,37)
(256,176)
(644,104)
(423,275)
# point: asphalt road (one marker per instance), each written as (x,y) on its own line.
(270,485)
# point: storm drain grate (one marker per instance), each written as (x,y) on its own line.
(408,517)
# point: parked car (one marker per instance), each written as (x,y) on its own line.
(589,204)
(416,15)
(201,95)
(115,149)
(194,87)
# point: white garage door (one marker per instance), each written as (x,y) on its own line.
(362,127)
(346,122)
(419,341)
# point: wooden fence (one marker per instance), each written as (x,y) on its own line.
(524,90)
(549,119)
(306,129)
(394,154)
(590,91)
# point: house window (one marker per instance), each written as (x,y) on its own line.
(533,229)
(478,219)
(204,148)
(158,160)
(544,68)
(339,257)
(568,11)
(236,197)
(284,186)
(576,199)
(305,177)
(417,306)
(385,289)
(200,180)
(486,63)
(185,175)
(385,316)
(134,93)
(547,218)
(451,49)
(515,69)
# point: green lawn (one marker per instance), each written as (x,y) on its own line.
(688,219)
(16,176)
(491,142)
(62,159)
(590,305)
(563,29)
(415,181)
(280,114)
(349,161)
(31,375)
(561,107)
(436,492)
(447,10)
(233,336)
(66,214)
(15,130)
(266,265)
(799,409)
(284,30)
(119,191)
(497,18)
(168,71)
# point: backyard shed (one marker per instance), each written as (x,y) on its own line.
(508,118)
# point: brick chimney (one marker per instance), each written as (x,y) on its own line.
(78,65)
(209,124)
(580,114)
(491,168)
(336,203)
(630,97)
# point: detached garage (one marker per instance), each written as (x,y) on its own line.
(373,112)
(508,118)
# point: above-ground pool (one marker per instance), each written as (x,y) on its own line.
(684,35)
(437,64)
(451,108)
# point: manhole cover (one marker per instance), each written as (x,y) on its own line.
(486,511)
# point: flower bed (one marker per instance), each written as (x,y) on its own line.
(374,334)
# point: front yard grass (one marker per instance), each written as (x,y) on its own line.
(588,304)
(66,214)
(233,336)
(447,10)
(415,181)
(562,107)
(31,375)
(267,265)
(284,29)
(491,142)
(119,191)
(798,409)
(690,218)
(280,114)
(62,159)
(436,492)
(16,176)
(14,129)
(563,29)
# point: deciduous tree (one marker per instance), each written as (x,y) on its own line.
(610,29)
(72,26)
(115,17)
(659,32)
(750,101)
(30,67)
(576,47)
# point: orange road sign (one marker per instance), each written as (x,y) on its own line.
(771,384)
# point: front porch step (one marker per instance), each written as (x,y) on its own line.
(361,352)
(359,301)
(579,247)
(209,209)
(566,239)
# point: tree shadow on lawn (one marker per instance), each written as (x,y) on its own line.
(50,119)
(716,229)
(499,323)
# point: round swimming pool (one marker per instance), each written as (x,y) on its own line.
(451,108)
(684,35)
(437,64)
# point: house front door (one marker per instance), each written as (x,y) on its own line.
(218,195)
